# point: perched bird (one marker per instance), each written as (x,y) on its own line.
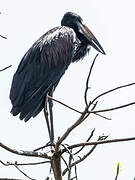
(43,65)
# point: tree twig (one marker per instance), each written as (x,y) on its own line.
(99,142)
(23,164)
(64,104)
(69,164)
(84,115)
(4,37)
(76,173)
(87,81)
(25,153)
(9,179)
(104,117)
(111,90)
(80,160)
(42,147)
(86,155)
(5,68)
(65,162)
(79,121)
(112,109)
(86,141)
(23,172)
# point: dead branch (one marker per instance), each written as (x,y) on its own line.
(67,150)
(65,162)
(87,81)
(78,122)
(76,173)
(64,104)
(42,147)
(23,164)
(112,109)
(99,142)
(25,153)
(111,90)
(84,115)
(9,179)
(4,37)
(91,135)
(23,172)
(5,68)
(59,148)
(69,164)
(85,156)
(104,117)
(76,109)
(80,160)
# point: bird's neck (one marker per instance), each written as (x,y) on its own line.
(81,49)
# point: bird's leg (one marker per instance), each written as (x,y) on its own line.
(51,116)
(46,117)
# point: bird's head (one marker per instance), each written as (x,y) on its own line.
(75,22)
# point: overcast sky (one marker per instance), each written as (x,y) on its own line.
(112,22)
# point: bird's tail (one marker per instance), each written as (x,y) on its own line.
(33,106)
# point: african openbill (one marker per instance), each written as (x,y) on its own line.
(43,65)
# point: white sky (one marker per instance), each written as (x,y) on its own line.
(112,22)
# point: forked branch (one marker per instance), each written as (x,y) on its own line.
(85,156)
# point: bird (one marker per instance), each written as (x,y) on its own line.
(43,65)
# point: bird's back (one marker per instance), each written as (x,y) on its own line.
(40,70)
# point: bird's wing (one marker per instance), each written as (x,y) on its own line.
(40,70)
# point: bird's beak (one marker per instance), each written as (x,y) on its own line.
(83,29)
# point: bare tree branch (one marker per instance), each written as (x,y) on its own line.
(76,176)
(59,148)
(86,141)
(25,153)
(69,164)
(42,147)
(112,109)
(80,160)
(79,121)
(67,150)
(84,115)
(104,117)
(4,37)
(111,90)
(87,82)
(23,172)
(64,104)
(86,155)
(75,109)
(65,162)
(99,142)
(9,179)
(23,164)
(5,68)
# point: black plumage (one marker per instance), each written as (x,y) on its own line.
(43,65)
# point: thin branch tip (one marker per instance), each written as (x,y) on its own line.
(5,68)
(87,81)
